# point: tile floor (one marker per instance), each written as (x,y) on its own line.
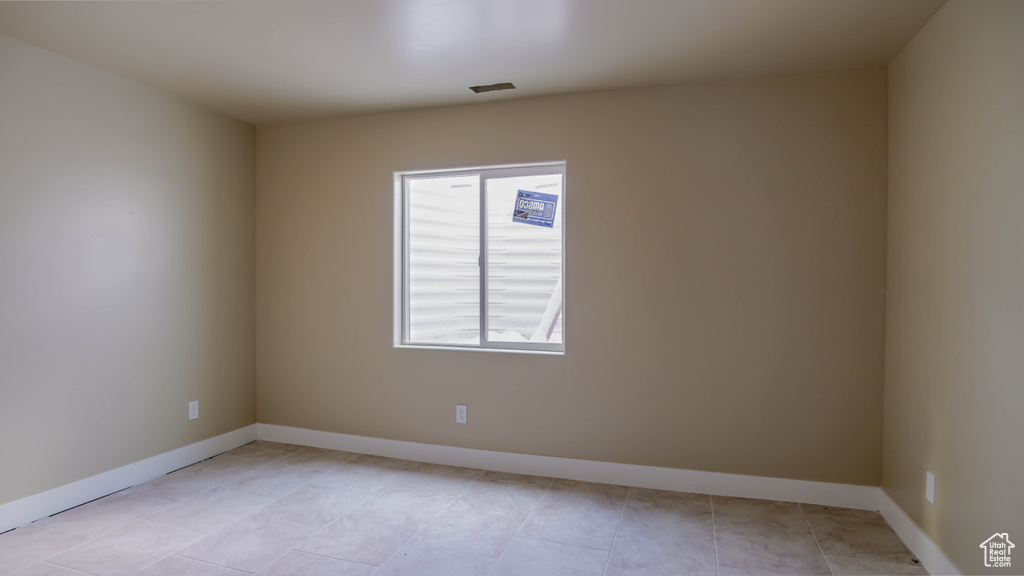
(277,509)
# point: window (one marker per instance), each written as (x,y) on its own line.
(479,258)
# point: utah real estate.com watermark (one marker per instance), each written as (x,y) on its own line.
(997,550)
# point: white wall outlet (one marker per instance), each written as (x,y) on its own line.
(929,486)
(460,414)
(193,410)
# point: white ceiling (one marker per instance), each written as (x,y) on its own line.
(266,62)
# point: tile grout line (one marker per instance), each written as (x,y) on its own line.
(205,533)
(286,552)
(714,533)
(898,564)
(292,548)
(90,539)
(166,556)
(425,524)
(520,529)
(76,546)
(618,526)
(93,539)
(66,531)
(57,565)
(204,562)
(251,514)
(815,536)
(255,513)
(305,484)
(469,482)
(319,530)
(372,494)
(319,555)
(226,567)
(915,560)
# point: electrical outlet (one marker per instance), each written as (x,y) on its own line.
(929,486)
(460,414)
(193,410)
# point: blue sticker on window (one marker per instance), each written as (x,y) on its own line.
(535,208)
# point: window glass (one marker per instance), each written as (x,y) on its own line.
(444,274)
(481,258)
(524,265)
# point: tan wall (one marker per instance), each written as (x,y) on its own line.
(954,380)
(126,271)
(725,278)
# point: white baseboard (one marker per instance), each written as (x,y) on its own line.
(32,508)
(933,560)
(720,484)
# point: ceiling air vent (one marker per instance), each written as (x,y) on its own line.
(493,87)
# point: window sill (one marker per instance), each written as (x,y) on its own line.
(481,349)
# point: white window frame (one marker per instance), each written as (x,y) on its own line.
(401,256)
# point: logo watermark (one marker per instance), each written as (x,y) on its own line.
(997,550)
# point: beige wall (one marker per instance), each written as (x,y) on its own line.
(126,271)
(954,371)
(725,278)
